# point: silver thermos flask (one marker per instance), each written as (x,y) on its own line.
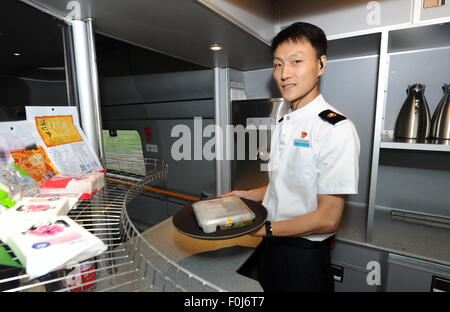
(413,121)
(441,117)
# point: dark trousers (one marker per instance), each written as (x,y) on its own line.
(291,264)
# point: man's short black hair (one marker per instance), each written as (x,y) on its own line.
(301,31)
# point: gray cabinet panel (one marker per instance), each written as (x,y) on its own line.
(407,274)
(434,12)
(354,255)
(352,279)
(414,188)
(354,95)
(350,267)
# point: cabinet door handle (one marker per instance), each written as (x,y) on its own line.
(338,273)
(440,284)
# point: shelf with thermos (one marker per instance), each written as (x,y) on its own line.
(416,128)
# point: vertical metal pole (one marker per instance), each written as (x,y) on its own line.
(381,89)
(68,61)
(95,89)
(89,101)
(222,119)
(85,85)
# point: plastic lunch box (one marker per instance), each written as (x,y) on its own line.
(226,212)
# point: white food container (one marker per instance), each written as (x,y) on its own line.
(226,211)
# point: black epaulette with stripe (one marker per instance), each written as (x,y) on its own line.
(332,117)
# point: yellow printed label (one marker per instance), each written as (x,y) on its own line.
(229,221)
(57,130)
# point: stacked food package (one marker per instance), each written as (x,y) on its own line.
(46,168)
(225,213)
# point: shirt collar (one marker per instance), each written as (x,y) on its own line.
(311,108)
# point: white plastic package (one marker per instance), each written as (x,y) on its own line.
(49,245)
(52,205)
(40,207)
(226,212)
(30,210)
(87,184)
(72,198)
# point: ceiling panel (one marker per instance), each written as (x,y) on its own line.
(181,28)
(32,34)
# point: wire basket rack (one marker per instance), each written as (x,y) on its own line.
(130,263)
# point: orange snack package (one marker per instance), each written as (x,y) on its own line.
(35,162)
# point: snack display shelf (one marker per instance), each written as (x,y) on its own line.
(130,263)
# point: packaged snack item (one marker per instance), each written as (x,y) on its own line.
(226,212)
(88,184)
(73,198)
(49,245)
(53,206)
(31,210)
(17,183)
(35,162)
(65,143)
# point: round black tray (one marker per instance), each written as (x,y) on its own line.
(185,222)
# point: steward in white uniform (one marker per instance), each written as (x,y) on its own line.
(313,163)
(314,150)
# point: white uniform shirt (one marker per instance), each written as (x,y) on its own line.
(310,156)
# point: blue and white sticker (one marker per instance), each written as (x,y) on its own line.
(302,143)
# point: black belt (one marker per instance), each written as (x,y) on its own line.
(298,242)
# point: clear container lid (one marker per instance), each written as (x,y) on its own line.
(221,211)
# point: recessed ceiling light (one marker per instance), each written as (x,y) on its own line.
(17,54)
(215,47)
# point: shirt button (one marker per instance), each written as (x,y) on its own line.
(287,118)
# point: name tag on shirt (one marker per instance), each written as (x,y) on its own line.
(302,143)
